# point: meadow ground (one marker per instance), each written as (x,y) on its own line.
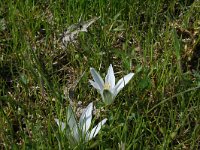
(158,40)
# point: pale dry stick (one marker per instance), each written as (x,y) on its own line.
(72,31)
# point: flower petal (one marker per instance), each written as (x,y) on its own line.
(97,78)
(122,82)
(110,77)
(97,128)
(95,85)
(71,120)
(76,135)
(62,125)
(86,118)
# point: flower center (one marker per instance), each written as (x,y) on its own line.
(106,86)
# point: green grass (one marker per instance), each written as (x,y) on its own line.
(157,40)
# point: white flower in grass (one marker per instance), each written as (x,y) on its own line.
(79,132)
(108,89)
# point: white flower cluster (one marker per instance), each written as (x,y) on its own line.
(78,132)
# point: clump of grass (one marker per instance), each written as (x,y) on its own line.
(158,41)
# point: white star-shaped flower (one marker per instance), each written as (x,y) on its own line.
(108,89)
(79,132)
